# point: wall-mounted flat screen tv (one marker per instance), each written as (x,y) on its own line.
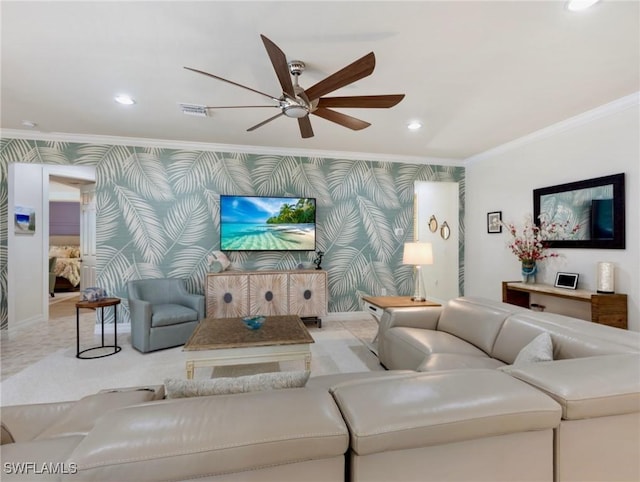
(266,223)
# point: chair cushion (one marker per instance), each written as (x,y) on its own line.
(170,314)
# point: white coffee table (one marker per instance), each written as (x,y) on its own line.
(227,341)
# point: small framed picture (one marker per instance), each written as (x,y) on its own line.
(494,222)
(566,280)
(25,220)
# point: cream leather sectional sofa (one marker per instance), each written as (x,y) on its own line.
(594,374)
(575,418)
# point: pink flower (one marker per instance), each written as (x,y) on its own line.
(532,243)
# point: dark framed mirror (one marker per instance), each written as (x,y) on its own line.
(596,206)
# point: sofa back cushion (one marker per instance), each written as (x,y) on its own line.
(630,339)
(521,328)
(475,320)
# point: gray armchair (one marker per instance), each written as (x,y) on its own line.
(163,314)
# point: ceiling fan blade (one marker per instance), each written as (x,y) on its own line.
(340,118)
(279,62)
(305,127)
(238,106)
(264,122)
(231,82)
(352,72)
(362,101)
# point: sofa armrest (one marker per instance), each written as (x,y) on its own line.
(588,387)
(22,423)
(425,317)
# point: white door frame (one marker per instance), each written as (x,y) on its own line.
(83,174)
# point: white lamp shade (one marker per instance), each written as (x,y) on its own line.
(417,253)
(606,277)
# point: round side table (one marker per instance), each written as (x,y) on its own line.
(93,305)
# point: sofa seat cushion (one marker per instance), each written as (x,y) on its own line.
(441,407)
(196,438)
(408,347)
(170,314)
(457,361)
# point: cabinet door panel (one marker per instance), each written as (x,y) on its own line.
(227,296)
(268,294)
(308,294)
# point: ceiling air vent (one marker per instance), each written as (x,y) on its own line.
(194,109)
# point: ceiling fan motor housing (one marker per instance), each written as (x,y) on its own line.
(296,67)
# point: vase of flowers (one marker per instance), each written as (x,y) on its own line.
(530,245)
(529,269)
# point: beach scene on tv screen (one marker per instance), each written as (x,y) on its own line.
(254,223)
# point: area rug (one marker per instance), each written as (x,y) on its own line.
(61,376)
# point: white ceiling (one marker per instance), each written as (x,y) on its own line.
(477,74)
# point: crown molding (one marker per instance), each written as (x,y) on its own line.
(605,110)
(205,146)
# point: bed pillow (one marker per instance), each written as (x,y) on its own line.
(64,251)
(178,388)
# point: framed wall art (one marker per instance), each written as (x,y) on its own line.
(25,220)
(494,222)
(594,208)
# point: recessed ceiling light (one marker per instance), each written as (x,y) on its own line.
(579,5)
(124,99)
(414,126)
(29,124)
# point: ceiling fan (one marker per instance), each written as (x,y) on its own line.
(298,103)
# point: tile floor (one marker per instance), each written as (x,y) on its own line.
(23,348)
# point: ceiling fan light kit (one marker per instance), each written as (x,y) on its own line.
(297,103)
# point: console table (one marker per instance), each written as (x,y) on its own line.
(606,309)
(301,292)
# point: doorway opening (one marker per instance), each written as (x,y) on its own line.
(71,240)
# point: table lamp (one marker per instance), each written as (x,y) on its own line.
(417,254)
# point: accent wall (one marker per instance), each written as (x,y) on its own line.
(158,213)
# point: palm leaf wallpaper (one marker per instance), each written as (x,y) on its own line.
(158,213)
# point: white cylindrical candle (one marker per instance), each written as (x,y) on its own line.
(605,277)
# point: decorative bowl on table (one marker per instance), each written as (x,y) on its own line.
(253,322)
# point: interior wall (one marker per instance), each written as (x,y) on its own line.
(603,142)
(440,199)
(158,212)
(26,265)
